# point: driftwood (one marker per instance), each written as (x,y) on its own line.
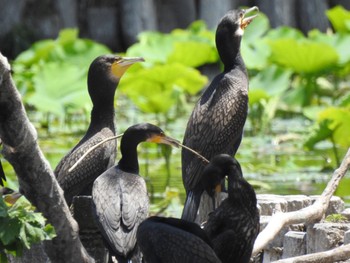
(36,179)
(309,214)
(338,254)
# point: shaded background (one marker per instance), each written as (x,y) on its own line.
(117,23)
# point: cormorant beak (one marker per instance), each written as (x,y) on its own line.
(161,138)
(119,66)
(129,61)
(245,21)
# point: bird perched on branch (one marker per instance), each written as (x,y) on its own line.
(120,199)
(216,123)
(172,240)
(234,225)
(104,75)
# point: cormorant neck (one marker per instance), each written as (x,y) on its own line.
(102,117)
(237,62)
(129,161)
(228,47)
(102,91)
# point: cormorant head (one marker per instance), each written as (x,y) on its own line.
(105,72)
(229,33)
(143,132)
(146,132)
(219,167)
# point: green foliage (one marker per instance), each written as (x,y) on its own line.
(253,47)
(333,124)
(192,47)
(169,74)
(293,73)
(52,73)
(266,89)
(340,19)
(21,227)
(303,56)
(156,89)
(336,218)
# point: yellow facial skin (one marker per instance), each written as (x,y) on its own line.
(161,138)
(120,65)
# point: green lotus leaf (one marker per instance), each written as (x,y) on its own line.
(303,56)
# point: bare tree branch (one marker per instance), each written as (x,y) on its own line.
(338,254)
(308,214)
(36,179)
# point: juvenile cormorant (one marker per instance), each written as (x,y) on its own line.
(216,123)
(234,225)
(172,240)
(120,200)
(103,78)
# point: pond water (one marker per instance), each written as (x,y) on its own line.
(274,163)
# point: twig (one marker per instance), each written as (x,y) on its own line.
(309,214)
(194,152)
(93,148)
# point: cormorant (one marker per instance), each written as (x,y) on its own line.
(172,240)
(234,225)
(120,199)
(103,78)
(216,123)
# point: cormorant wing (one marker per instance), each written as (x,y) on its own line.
(121,204)
(94,164)
(215,125)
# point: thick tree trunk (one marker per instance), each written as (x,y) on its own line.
(175,14)
(344,3)
(211,11)
(36,179)
(136,16)
(312,14)
(279,12)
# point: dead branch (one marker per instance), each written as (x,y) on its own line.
(338,254)
(36,179)
(308,214)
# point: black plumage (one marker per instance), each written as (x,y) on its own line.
(103,78)
(172,240)
(216,123)
(234,225)
(2,173)
(120,199)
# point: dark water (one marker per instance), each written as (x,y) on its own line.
(274,163)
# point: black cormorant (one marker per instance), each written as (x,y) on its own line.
(216,123)
(120,200)
(172,240)
(103,78)
(234,225)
